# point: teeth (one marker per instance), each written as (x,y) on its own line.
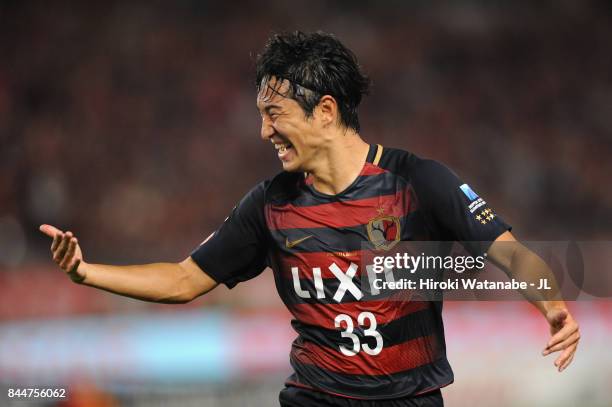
(282,147)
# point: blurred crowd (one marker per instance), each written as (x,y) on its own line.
(134,124)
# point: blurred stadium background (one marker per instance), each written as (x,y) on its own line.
(134,125)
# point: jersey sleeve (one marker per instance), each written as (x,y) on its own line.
(455,211)
(237,251)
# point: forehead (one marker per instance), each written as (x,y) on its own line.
(272,92)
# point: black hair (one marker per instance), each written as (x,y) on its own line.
(315,64)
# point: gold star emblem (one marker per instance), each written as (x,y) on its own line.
(478,217)
(483,222)
(380,210)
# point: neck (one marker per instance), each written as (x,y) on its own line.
(339,163)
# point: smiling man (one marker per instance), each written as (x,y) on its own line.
(337,198)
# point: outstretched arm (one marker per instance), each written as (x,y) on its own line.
(157,282)
(522,264)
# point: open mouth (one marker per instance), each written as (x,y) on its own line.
(283,148)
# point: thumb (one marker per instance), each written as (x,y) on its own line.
(557,317)
(49,230)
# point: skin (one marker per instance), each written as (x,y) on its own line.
(156,282)
(333,155)
(522,264)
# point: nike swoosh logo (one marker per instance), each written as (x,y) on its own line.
(295,242)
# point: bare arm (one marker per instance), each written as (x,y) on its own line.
(519,262)
(522,264)
(157,282)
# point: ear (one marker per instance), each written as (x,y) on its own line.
(328,110)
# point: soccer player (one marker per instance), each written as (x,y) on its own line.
(336,197)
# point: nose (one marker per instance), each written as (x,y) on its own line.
(267,131)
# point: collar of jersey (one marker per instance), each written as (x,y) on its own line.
(369,160)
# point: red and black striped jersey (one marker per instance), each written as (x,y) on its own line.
(349,343)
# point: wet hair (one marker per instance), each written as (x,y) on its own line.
(314,64)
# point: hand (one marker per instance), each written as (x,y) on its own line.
(565,336)
(66,252)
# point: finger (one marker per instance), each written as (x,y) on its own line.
(61,249)
(67,238)
(567,363)
(563,358)
(562,335)
(565,355)
(69,256)
(49,230)
(562,345)
(56,241)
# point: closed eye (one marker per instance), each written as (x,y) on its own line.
(272,111)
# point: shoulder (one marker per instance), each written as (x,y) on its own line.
(397,161)
(283,187)
(420,172)
(276,190)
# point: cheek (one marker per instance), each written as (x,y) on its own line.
(299,132)
(290,130)
(282,127)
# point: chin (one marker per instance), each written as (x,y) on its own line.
(292,166)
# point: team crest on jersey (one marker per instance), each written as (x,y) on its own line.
(384,231)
